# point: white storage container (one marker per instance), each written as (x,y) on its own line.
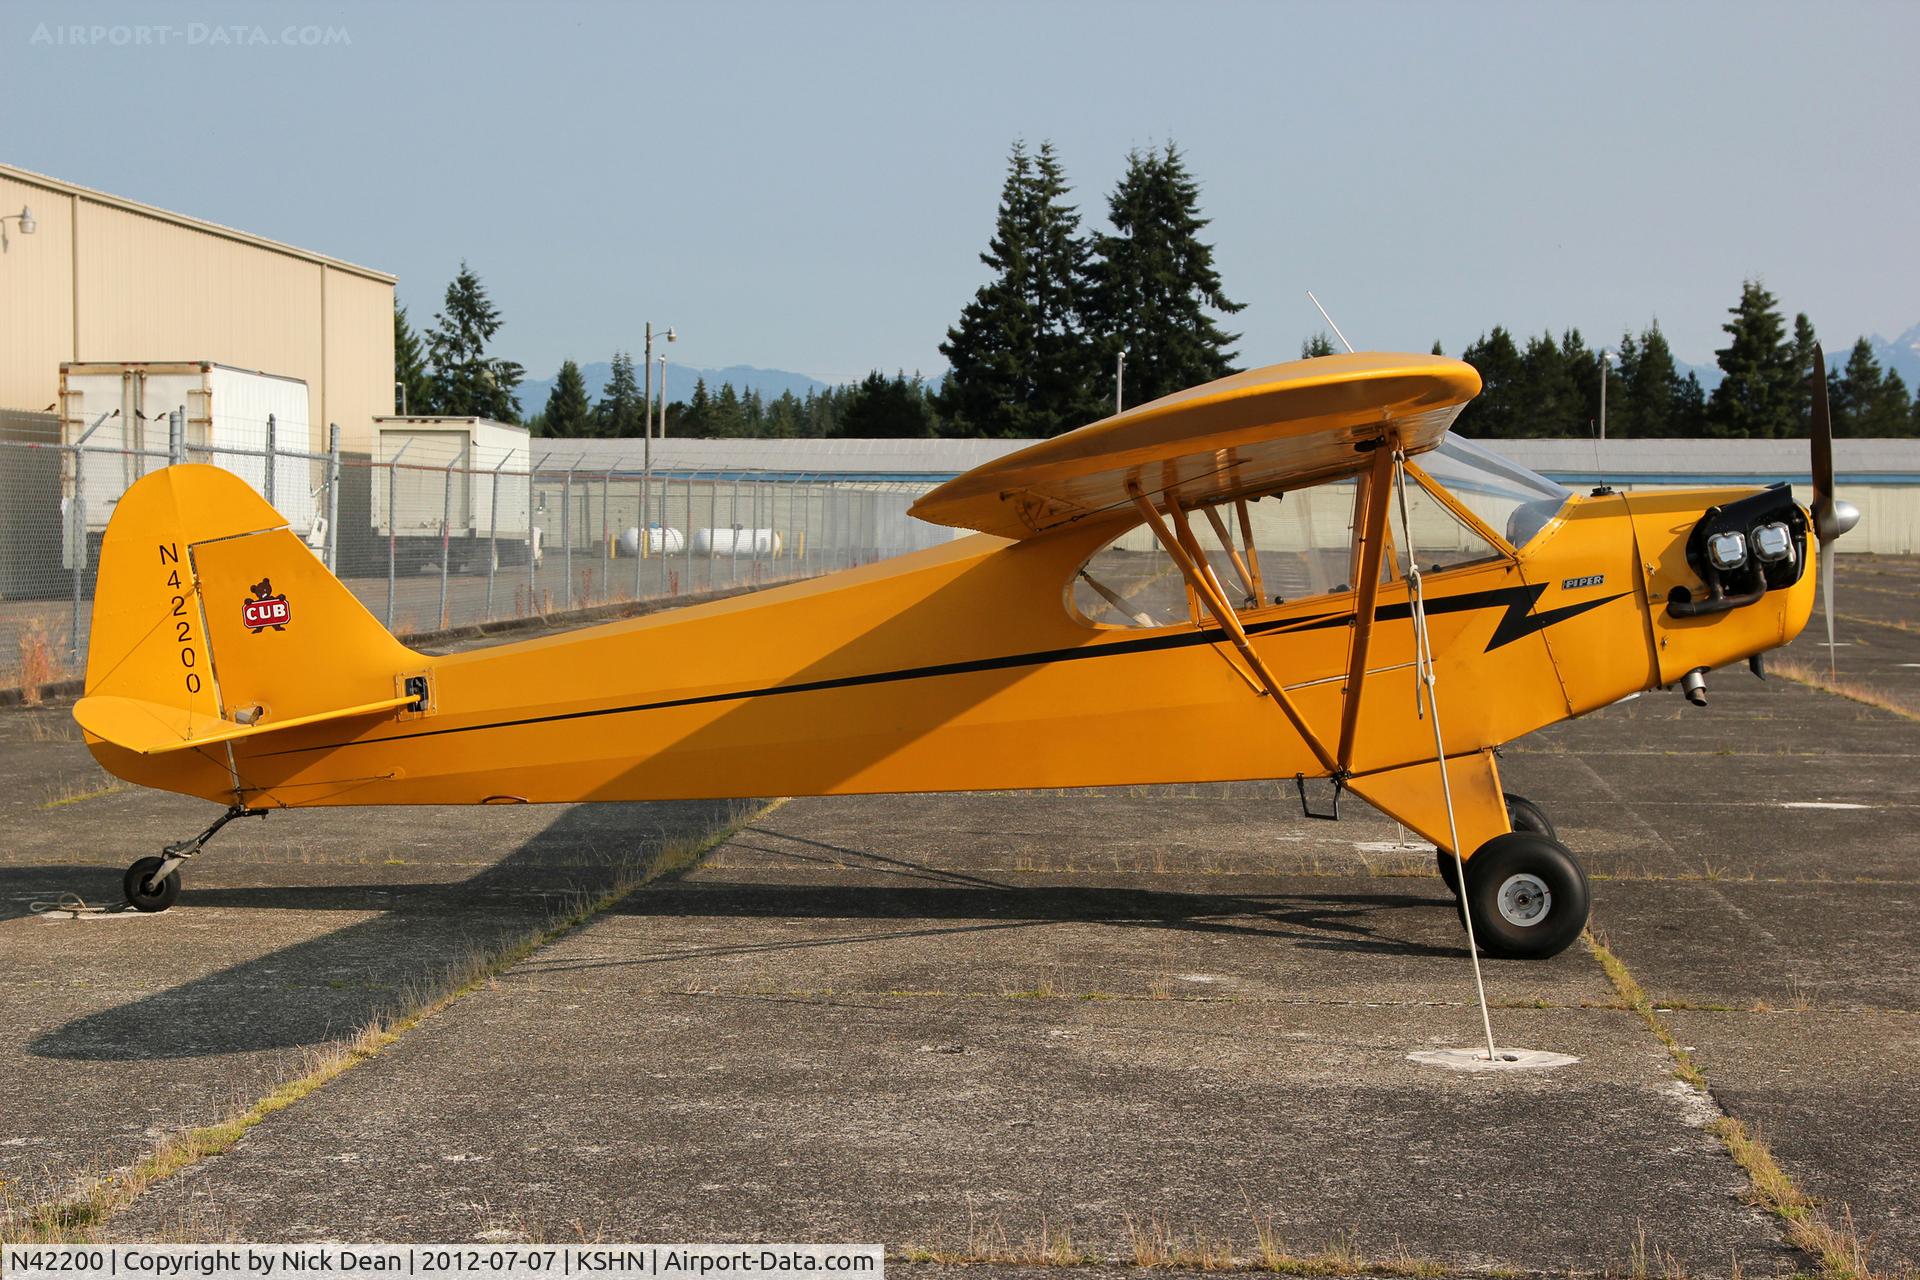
(227,412)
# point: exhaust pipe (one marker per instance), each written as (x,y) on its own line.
(1694,685)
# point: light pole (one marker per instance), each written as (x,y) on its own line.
(1119,378)
(1607,359)
(646,427)
(663,397)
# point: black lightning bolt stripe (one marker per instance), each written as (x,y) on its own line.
(1516,622)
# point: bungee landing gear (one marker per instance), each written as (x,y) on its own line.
(151,884)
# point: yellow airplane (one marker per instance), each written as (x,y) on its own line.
(1294,573)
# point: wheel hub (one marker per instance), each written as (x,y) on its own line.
(1524,900)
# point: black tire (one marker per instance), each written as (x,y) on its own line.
(1528,895)
(1524,815)
(144,897)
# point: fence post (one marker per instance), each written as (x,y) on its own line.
(686,583)
(393,527)
(446,533)
(266,487)
(493,534)
(77,520)
(566,535)
(333,497)
(533,571)
(606,547)
(176,436)
(640,547)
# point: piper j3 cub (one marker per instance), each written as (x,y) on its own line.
(1294,573)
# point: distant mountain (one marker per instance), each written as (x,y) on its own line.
(1901,354)
(533,392)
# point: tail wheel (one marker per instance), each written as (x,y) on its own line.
(1528,896)
(1522,815)
(143,893)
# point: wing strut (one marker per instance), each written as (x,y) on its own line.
(1372,554)
(1200,577)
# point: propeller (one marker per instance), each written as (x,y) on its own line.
(1831,516)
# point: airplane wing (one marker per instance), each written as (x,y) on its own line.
(1281,427)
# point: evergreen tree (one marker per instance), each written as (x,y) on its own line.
(724,419)
(465,379)
(413,391)
(880,408)
(1152,283)
(1803,344)
(1757,399)
(567,412)
(1021,365)
(1319,345)
(622,408)
(1548,394)
(785,416)
(1496,413)
(1690,408)
(696,419)
(1649,385)
(1436,348)
(1865,400)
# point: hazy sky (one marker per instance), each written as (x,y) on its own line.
(808,185)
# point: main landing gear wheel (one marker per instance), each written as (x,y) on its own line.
(145,895)
(1522,815)
(1528,896)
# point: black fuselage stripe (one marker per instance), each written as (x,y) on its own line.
(1505,596)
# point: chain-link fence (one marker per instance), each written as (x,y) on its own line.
(439,534)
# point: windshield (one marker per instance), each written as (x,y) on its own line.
(1503,493)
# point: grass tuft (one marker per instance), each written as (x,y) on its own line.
(1839,1251)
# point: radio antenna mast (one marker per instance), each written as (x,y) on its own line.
(1329,320)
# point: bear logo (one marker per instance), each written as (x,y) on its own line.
(265,609)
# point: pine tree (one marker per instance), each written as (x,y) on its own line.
(1865,400)
(1021,365)
(622,408)
(465,379)
(885,408)
(1496,413)
(697,418)
(725,420)
(567,412)
(784,416)
(1757,398)
(1321,345)
(1803,344)
(413,389)
(1152,282)
(1649,385)
(1548,395)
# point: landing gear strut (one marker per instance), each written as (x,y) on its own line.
(151,884)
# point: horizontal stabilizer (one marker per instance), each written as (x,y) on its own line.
(154,728)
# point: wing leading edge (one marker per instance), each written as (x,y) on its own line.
(1284,426)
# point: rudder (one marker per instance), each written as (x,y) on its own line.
(213,621)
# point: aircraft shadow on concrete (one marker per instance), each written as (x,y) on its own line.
(327,987)
(322,989)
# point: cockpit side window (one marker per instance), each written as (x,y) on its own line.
(1301,546)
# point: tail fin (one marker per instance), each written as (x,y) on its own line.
(212,621)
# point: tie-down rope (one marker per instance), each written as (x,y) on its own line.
(1423,664)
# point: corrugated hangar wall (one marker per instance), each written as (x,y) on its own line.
(103,278)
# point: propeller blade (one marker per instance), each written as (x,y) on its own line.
(1826,595)
(1822,453)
